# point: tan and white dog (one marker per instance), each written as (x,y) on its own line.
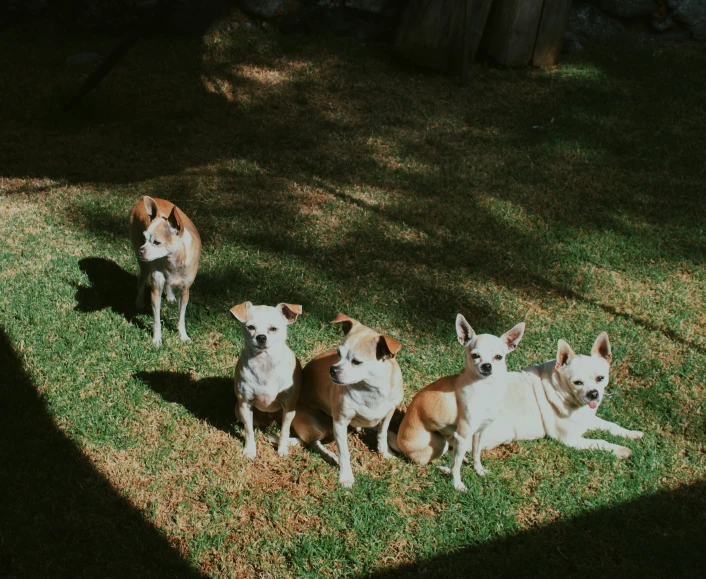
(168,247)
(359,385)
(268,374)
(560,399)
(457,409)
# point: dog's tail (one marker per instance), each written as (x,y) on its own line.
(392,441)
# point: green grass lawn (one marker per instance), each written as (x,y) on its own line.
(328,174)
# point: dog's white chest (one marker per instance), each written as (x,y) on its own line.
(261,381)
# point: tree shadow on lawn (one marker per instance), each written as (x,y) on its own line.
(340,118)
(58,516)
(661,535)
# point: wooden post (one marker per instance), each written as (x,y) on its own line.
(550,36)
(466,43)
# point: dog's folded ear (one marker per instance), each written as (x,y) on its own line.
(387,347)
(290,311)
(464,331)
(512,337)
(240,312)
(601,347)
(174,219)
(347,324)
(150,206)
(564,354)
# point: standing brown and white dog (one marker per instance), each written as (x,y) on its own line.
(360,385)
(168,247)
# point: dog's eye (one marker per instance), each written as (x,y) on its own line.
(251,328)
(475,356)
(356,362)
(498,357)
(600,378)
(273,329)
(578,383)
(156,242)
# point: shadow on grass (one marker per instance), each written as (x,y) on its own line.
(58,516)
(111,287)
(209,399)
(661,535)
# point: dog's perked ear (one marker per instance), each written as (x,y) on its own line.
(150,206)
(347,324)
(601,347)
(512,337)
(240,312)
(174,220)
(387,347)
(464,331)
(290,311)
(564,354)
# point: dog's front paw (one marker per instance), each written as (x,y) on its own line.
(283,450)
(444,469)
(346,481)
(387,455)
(157,341)
(460,487)
(622,452)
(480,471)
(184,337)
(250,452)
(635,434)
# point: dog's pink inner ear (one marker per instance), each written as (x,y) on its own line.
(150,207)
(387,348)
(290,311)
(513,336)
(175,219)
(564,354)
(463,330)
(601,347)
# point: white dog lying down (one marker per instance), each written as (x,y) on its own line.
(559,399)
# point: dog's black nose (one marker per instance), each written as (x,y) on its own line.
(486,368)
(592,394)
(261,338)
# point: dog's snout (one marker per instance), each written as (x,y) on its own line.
(486,368)
(261,338)
(333,371)
(592,395)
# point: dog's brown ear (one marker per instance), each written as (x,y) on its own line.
(240,312)
(601,347)
(347,324)
(150,207)
(512,337)
(564,354)
(464,331)
(290,311)
(387,348)
(175,219)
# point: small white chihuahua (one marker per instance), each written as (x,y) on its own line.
(456,409)
(268,374)
(560,399)
(168,247)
